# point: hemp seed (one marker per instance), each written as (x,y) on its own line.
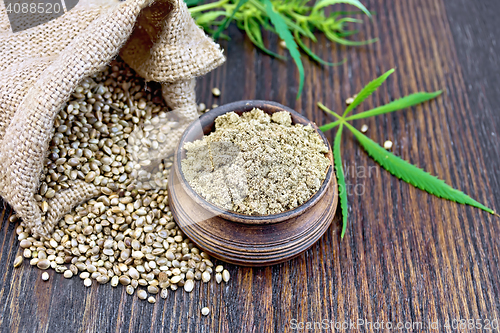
(142,294)
(109,134)
(216,92)
(18,261)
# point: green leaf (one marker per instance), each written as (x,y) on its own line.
(398,104)
(306,32)
(252,29)
(347,33)
(333,36)
(290,23)
(329,126)
(285,34)
(228,20)
(310,53)
(339,171)
(349,20)
(413,175)
(368,90)
(191,3)
(349,12)
(323,3)
(209,17)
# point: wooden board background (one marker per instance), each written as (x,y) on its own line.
(408,257)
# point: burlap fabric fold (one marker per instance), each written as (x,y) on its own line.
(40,67)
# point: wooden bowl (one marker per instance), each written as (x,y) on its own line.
(249,240)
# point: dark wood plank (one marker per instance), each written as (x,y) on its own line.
(407,256)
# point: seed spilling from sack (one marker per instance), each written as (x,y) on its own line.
(111,134)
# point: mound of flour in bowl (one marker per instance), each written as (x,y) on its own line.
(256,164)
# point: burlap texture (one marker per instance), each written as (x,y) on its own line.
(40,68)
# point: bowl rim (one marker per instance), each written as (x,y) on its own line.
(207,120)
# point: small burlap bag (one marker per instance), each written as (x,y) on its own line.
(40,67)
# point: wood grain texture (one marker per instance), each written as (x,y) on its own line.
(407,256)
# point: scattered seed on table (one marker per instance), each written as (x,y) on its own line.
(225,275)
(216,92)
(219,269)
(205,311)
(43,264)
(152,300)
(142,294)
(189,285)
(130,290)
(283,44)
(103,279)
(113,237)
(114,281)
(214,106)
(45,276)
(202,107)
(218,277)
(349,101)
(25,244)
(388,144)
(153,289)
(364,128)
(18,261)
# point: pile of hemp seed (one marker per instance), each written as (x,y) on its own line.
(110,134)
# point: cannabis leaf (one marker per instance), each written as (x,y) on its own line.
(228,20)
(191,3)
(341,179)
(413,175)
(284,33)
(368,90)
(313,55)
(292,20)
(398,104)
(395,165)
(324,3)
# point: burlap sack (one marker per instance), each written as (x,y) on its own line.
(40,68)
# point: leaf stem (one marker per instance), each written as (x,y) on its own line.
(327,110)
(329,126)
(208,6)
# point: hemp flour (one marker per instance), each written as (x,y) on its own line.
(256,164)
